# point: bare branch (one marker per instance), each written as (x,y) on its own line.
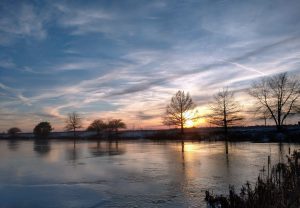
(225,111)
(279,95)
(180,104)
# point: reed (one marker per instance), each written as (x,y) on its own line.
(277,188)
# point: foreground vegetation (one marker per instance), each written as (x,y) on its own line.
(278,189)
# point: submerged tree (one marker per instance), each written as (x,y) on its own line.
(13,131)
(73,122)
(225,111)
(42,129)
(98,126)
(279,95)
(179,105)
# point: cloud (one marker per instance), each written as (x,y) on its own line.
(143,116)
(126,60)
(21,20)
(85,65)
(7,64)
(82,20)
(13,94)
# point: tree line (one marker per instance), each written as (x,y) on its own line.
(277,97)
(73,122)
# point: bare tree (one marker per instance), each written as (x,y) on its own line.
(278,94)
(73,122)
(225,111)
(97,125)
(179,105)
(263,114)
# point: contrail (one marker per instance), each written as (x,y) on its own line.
(244,67)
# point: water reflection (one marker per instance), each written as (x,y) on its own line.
(13,144)
(181,173)
(73,154)
(280,152)
(108,148)
(42,146)
(164,174)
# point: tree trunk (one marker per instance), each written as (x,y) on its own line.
(74,137)
(225,128)
(225,118)
(181,128)
(279,128)
(181,121)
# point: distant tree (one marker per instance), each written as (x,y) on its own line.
(179,105)
(73,122)
(98,126)
(263,114)
(42,129)
(278,94)
(115,125)
(225,111)
(13,131)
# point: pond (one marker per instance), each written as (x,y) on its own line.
(126,173)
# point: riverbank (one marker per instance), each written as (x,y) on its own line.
(252,133)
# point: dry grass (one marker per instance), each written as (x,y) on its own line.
(278,189)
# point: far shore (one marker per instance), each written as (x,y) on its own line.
(290,133)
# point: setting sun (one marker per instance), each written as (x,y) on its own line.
(189,124)
(193,119)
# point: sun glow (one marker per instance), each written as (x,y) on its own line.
(189,147)
(193,119)
(189,123)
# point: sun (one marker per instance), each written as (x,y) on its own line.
(193,119)
(189,124)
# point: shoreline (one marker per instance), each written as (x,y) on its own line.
(256,134)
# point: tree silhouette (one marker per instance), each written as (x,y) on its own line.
(180,104)
(279,95)
(115,124)
(13,131)
(225,111)
(97,125)
(42,129)
(73,122)
(263,114)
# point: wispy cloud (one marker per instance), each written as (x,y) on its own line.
(19,21)
(7,64)
(127,59)
(14,95)
(83,20)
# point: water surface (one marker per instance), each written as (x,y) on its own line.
(126,173)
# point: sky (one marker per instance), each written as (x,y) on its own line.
(126,59)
